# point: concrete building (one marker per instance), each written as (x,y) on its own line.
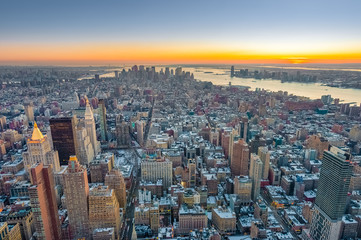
(331,194)
(90,128)
(26,222)
(76,190)
(240,158)
(159,168)
(85,147)
(114,180)
(43,203)
(29,111)
(191,219)
(104,209)
(122,132)
(224,220)
(243,188)
(40,151)
(256,175)
(264,155)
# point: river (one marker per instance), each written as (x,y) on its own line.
(220,76)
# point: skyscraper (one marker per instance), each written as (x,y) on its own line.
(103,120)
(63,132)
(264,155)
(104,209)
(43,203)
(192,173)
(29,111)
(122,132)
(76,190)
(331,196)
(40,151)
(90,128)
(244,129)
(140,132)
(240,158)
(255,173)
(85,148)
(114,180)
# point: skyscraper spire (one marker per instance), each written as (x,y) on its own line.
(88,111)
(37,135)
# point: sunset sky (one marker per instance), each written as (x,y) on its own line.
(144,31)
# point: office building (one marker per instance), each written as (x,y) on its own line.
(104,209)
(102,111)
(255,174)
(243,188)
(192,219)
(40,151)
(264,155)
(159,168)
(29,111)
(122,132)
(63,133)
(192,173)
(90,128)
(240,158)
(76,191)
(43,203)
(331,195)
(85,147)
(224,219)
(114,180)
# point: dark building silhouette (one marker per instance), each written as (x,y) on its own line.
(63,133)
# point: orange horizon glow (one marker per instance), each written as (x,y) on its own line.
(163,53)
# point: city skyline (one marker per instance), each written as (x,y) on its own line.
(163,32)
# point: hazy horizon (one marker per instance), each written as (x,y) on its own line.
(166,32)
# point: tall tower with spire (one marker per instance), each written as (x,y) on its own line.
(90,128)
(40,151)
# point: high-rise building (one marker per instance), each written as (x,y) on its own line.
(264,155)
(103,120)
(90,128)
(255,173)
(85,148)
(40,151)
(154,169)
(114,180)
(29,111)
(192,173)
(331,195)
(122,132)
(2,123)
(154,217)
(140,132)
(243,188)
(76,190)
(240,158)
(104,209)
(100,166)
(244,129)
(232,71)
(43,203)
(63,133)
